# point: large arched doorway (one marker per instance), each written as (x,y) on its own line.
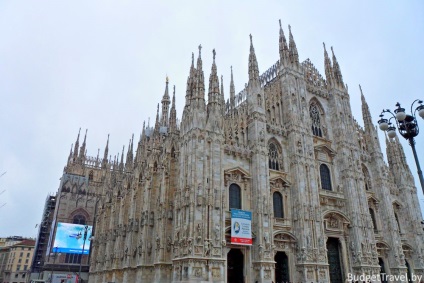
(281,268)
(383,274)
(235,266)
(334,260)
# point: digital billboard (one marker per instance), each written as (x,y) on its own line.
(67,238)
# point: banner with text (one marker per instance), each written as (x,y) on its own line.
(241,227)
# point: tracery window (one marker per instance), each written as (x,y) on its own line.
(277,199)
(91,176)
(79,219)
(316,120)
(235,196)
(273,157)
(325,177)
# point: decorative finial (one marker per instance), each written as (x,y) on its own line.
(332,51)
(323,44)
(280,22)
(174,89)
(250,38)
(360,88)
(200,50)
(192,58)
(214,54)
(167,79)
(289,28)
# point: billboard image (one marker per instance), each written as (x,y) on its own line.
(241,227)
(67,239)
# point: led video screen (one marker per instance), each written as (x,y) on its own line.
(70,239)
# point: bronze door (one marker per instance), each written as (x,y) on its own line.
(333,255)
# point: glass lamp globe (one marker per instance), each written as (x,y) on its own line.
(400,114)
(421,111)
(391,132)
(383,124)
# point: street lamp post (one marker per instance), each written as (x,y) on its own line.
(407,126)
(83,246)
(55,254)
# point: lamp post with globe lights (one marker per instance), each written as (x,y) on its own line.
(86,228)
(407,126)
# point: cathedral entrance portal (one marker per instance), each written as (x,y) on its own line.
(281,268)
(335,265)
(235,266)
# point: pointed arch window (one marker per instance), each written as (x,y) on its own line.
(277,200)
(235,196)
(316,120)
(91,176)
(325,177)
(273,157)
(374,222)
(79,219)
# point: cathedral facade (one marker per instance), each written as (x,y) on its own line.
(324,204)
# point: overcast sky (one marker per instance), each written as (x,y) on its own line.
(102,65)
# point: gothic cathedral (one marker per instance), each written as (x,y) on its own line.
(324,203)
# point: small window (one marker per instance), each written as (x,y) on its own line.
(235,196)
(325,177)
(73,258)
(91,176)
(21,254)
(278,205)
(25,267)
(18,267)
(79,219)
(28,254)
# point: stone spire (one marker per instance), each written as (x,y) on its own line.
(397,162)
(232,91)
(371,132)
(366,114)
(173,115)
(121,164)
(165,106)
(294,56)
(328,67)
(190,90)
(130,159)
(70,154)
(104,161)
(253,64)
(200,83)
(82,149)
(336,70)
(76,148)
(157,120)
(213,94)
(284,50)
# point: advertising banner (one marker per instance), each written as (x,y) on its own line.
(68,241)
(64,278)
(241,227)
